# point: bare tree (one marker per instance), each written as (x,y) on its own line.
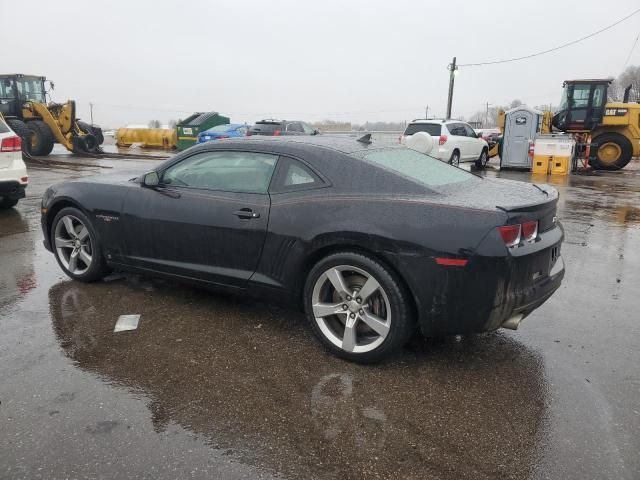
(154,124)
(172,123)
(631,76)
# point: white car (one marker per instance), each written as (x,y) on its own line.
(13,171)
(451,141)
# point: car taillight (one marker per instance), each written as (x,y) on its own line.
(11,144)
(510,234)
(276,133)
(529,231)
(24,179)
(442,140)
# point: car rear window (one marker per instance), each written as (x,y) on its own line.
(266,127)
(416,166)
(3,127)
(431,128)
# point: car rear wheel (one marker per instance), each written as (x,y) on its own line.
(357,308)
(455,158)
(76,246)
(481,162)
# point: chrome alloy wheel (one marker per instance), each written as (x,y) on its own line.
(73,245)
(351,308)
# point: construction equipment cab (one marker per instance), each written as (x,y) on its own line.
(614,127)
(24,106)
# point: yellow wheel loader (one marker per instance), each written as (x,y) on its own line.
(613,127)
(40,124)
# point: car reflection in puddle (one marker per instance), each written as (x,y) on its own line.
(249,379)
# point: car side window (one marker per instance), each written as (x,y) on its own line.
(293,175)
(469,131)
(243,172)
(454,129)
(307,129)
(294,127)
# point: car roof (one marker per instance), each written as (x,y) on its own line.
(439,121)
(340,143)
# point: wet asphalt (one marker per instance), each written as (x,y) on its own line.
(210,386)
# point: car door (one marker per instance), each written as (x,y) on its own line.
(475,144)
(207,218)
(459,136)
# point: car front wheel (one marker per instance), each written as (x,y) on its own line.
(455,158)
(76,246)
(481,162)
(357,308)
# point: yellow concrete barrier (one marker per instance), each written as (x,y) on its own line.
(147,137)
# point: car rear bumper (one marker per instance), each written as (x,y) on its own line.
(12,189)
(488,291)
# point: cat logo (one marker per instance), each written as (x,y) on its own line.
(615,112)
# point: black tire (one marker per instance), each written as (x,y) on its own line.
(93,130)
(20,129)
(41,138)
(455,158)
(625,152)
(7,202)
(98,268)
(481,162)
(402,324)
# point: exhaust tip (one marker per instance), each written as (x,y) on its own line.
(513,322)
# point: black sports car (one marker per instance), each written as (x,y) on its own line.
(373,242)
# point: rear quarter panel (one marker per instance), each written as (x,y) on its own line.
(406,233)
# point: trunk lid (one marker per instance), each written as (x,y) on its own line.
(520,201)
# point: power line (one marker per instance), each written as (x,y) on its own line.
(631,51)
(552,49)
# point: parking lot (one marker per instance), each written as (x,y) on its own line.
(210,386)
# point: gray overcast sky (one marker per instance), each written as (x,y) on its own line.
(344,60)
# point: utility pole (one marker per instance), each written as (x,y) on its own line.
(91,109)
(452,73)
(486,117)
(426,113)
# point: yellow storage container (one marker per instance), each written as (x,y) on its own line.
(560,165)
(540,164)
(552,153)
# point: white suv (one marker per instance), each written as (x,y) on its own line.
(13,171)
(451,141)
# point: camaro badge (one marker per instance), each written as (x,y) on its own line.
(107,218)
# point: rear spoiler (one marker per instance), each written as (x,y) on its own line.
(552,197)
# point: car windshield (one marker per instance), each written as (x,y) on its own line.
(433,129)
(420,168)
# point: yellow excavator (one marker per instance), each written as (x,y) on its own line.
(40,124)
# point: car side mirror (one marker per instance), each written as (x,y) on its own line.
(151,179)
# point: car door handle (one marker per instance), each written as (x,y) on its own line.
(246,213)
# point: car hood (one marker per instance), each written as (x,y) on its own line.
(507,195)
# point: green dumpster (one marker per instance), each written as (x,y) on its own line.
(189,129)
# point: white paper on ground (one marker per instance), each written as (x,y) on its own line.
(126,322)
